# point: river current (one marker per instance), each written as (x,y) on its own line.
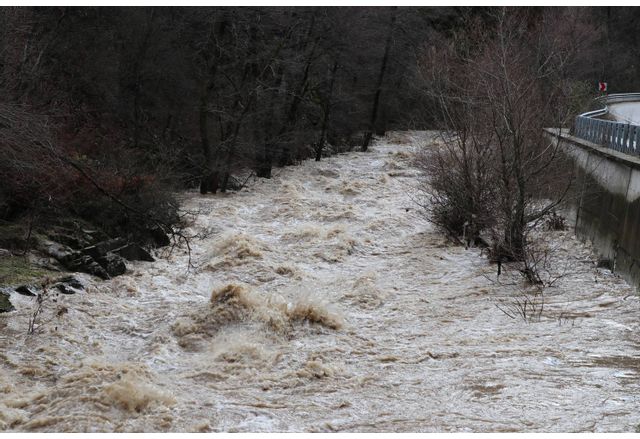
(321,300)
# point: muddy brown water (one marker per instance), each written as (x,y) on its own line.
(335,307)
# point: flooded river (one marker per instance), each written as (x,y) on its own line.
(321,301)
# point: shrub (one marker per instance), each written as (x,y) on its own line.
(114,189)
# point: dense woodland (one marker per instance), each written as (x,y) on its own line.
(106,112)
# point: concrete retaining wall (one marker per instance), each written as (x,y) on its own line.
(607,202)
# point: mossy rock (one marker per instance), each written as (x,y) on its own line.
(5,304)
(16,270)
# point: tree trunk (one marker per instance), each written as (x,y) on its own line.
(264,170)
(282,154)
(204,143)
(383,67)
(137,87)
(327,113)
(268,144)
(209,181)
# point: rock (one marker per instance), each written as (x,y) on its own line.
(57,251)
(158,237)
(102,248)
(92,251)
(605,263)
(134,252)
(68,285)
(104,266)
(113,264)
(67,238)
(71,281)
(26,290)
(87,264)
(109,245)
(93,236)
(5,304)
(65,289)
(4,253)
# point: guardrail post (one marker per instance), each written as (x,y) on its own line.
(601,127)
(612,136)
(620,137)
(578,126)
(586,129)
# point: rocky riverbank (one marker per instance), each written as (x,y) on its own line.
(32,260)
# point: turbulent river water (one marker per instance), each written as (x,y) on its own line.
(321,301)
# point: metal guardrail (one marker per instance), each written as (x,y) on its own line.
(619,136)
(619,97)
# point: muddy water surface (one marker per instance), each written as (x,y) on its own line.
(321,301)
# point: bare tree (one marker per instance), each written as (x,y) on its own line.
(378,89)
(497,91)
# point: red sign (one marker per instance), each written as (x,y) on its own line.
(602,86)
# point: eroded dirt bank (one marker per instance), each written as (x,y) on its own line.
(334,308)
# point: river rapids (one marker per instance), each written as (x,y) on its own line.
(321,300)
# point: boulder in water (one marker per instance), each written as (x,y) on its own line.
(26,290)
(71,281)
(86,264)
(100,249)
(113,264)
(68,285)
(133,252)
(97,260)
(65,289)
(158,237)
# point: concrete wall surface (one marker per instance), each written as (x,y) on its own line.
(607,202)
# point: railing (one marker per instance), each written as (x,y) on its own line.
(619,97)
(619,136)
